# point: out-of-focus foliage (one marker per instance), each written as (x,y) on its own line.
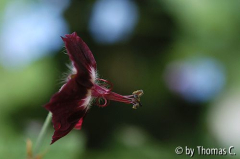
(176,51)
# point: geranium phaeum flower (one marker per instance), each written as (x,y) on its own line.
(70,104)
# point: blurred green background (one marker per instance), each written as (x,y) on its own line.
(184,55)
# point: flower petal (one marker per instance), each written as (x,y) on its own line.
(68,106)
(79,124)
(81,56)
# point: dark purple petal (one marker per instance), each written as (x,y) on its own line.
(81,56)
(67,107)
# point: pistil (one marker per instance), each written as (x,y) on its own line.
(106,94)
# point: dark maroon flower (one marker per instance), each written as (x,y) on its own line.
(70,104)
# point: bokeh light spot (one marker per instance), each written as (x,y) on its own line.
(113,20)
(30,31)
(196,80)
(223,119)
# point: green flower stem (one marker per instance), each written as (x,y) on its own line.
(42,132)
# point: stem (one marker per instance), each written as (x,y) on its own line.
(42,132)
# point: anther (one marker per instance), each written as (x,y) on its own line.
(136,98)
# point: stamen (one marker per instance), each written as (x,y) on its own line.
(106,83)
(101,92)
(136,99)
(138,92)
(105,102)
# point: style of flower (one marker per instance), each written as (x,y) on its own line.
(70,105)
